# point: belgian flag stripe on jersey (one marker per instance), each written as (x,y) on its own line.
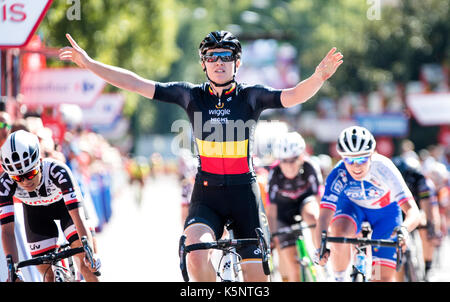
(223,157)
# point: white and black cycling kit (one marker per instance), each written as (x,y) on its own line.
(56,195)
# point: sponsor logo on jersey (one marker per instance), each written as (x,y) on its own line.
(337,186)
(59,176)
(220,112)
(6,184)
(35,201)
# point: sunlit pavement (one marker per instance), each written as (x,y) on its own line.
(141,243)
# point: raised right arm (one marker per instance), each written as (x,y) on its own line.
(116,76)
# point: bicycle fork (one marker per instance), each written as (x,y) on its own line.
(231,269)
(305,261)
(360,265)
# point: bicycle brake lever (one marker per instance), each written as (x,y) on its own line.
(89,253)
(323,245)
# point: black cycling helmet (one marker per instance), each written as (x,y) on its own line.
(220,39)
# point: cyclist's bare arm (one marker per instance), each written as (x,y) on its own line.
(116,76)
(83,230)
(9,241)
(81,224)
(309,87)
(412,215)
(323,223)
(272,215)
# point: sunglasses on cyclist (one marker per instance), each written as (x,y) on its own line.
(358,160)
(289,160)
(226,56)
(29,176)
(5,125)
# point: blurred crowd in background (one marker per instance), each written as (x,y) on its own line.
(92,159)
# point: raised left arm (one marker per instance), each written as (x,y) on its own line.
(306,89)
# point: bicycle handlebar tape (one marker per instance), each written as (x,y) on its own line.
(398,264)
(11,268)
(323,245)
(89,254)
(182,254)
(265,252)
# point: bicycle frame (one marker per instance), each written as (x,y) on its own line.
(64,272)
(307,269)
(224,245)
(306,265)
(229,268)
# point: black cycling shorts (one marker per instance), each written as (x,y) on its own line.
(41,229)
(288,240)
(214,205)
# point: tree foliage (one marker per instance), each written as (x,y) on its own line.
(137,35)
(159,39)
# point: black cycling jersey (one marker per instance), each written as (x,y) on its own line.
(414,179)
(223,126)
(290,194)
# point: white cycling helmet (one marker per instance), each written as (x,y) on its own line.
(288,145)
(355,141)
(20,153)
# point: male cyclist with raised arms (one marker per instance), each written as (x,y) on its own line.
(48,192)
(225,185)
(365,186)
(293,190)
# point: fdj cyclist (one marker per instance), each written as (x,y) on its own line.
(48,192)
(293,190)
(225,183)
(365,186)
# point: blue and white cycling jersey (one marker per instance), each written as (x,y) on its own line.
(382,186)
(376,199)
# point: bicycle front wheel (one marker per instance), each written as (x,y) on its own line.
(358,277)
(307,271)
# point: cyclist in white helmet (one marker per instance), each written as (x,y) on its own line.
(48,192)
(365,186)
(293,189)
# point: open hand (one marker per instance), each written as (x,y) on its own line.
(75,53)
(329,64)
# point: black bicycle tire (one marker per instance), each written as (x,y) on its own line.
(357,277)
(410,270)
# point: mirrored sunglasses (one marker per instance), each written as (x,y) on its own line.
(358,160)
(226,56)
(29,176)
